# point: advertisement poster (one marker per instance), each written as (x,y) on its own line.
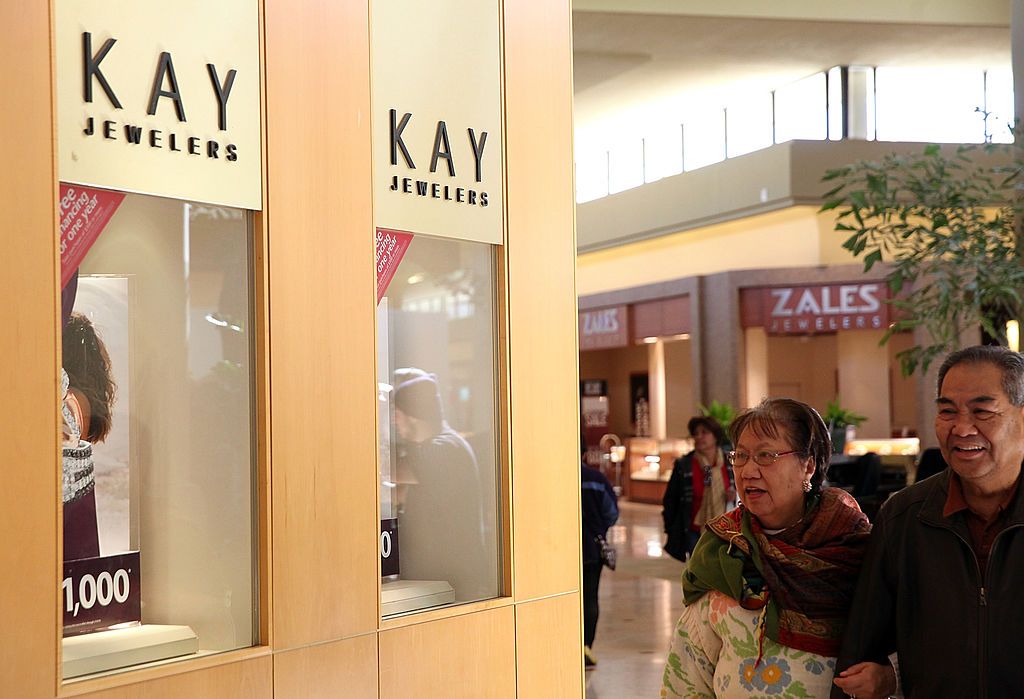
(391,247)
(100,591)
(84,212)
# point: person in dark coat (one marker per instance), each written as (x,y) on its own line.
(600,511)
(702,487)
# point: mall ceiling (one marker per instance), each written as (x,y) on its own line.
(626,59)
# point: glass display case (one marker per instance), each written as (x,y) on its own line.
(649,463)
(158,443)
(438,416)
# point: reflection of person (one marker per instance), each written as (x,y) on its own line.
(768,587)
(87,363)
(942,580)
(599,512)
(440,518)
(701,488)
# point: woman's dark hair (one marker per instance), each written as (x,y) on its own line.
(88,366)
(710,424)
(797,423)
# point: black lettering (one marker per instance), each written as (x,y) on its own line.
(460,194)
(223,92)
(193,145)
(435,190)
(441,139)
(478,151)
(483,198)
(90,127)
(165,71)
(232,152)
(211,149)
(174,142)
(421,188)
(132,134)
(108,130)
(447,195)
(154,138)
(472,197)
(394,183)
(91,68)
(396,139)
(407,185)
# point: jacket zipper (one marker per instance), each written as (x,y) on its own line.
(983,613)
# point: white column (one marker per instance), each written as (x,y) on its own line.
(864,380)
(656,384)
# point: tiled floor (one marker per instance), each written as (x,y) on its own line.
(640,603)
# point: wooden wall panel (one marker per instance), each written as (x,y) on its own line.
(341,669)
(248,679)
(542,298)
(28,377)
(322,387)
(549,648)
(470,656)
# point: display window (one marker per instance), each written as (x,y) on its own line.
(438,416)
(158,444)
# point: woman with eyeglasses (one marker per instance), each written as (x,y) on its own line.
(768,587)
(700,488)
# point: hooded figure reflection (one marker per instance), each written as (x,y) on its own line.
(440,517)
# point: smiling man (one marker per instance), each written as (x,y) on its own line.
(943,578)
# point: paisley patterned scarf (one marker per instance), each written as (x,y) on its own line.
(802,578)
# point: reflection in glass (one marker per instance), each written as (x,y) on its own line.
(436,364)
(157,455)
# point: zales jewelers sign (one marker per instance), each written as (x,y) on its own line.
(161,101)
(812,309)
(437,139)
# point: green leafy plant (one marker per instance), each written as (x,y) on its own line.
(945,222)
(836,416)
(722,412)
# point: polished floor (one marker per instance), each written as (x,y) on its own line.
(640,603)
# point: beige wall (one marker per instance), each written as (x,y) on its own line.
(680,399)
(803,367)
(864,380)
(798,237)
(615,366)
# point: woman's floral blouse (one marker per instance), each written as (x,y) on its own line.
(714,654)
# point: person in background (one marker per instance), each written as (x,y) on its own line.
(600,510)
(941,584)
(769,585)
(701,488)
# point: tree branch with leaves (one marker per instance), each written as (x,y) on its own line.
(944,223)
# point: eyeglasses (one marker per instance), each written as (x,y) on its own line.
(761,458)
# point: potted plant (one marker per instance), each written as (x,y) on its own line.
(842,424)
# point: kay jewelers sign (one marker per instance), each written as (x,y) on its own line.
(437,139)
(161,99)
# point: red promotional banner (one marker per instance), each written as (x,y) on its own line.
(84,212)
(391,247)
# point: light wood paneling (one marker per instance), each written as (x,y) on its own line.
(471,656)
(341,669)
(248,679)
(28,346)
(325,560)
(542,299)
(549,648)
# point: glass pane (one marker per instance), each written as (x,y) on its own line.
(836,116)
(436,357)
(703,139)
(591,175)
(800,110)
(626,166)
(750,125)
(938,105)
(999,103)
(158,451)
(663,153)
